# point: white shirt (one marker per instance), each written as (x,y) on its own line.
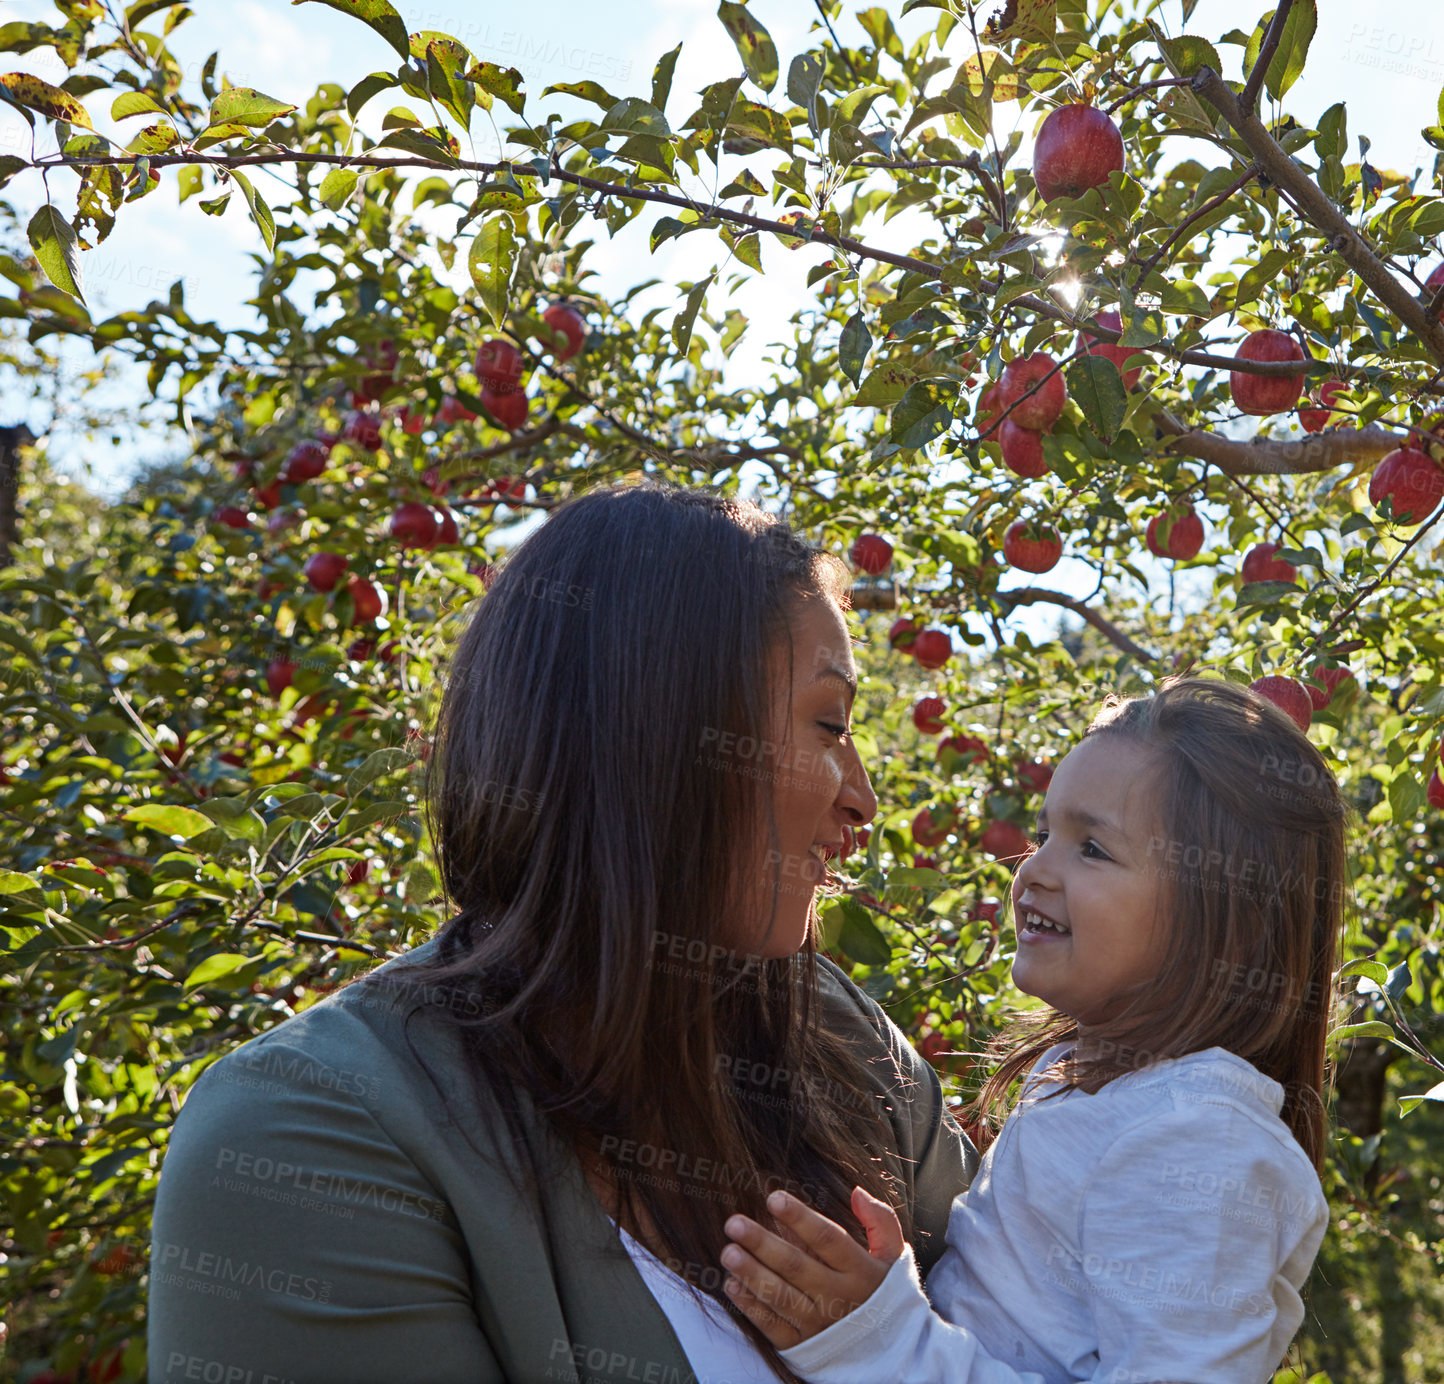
(713,1343)
(1159,1229)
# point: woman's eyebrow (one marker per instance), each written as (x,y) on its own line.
(848,680)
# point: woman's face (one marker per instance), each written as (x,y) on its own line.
(820,792)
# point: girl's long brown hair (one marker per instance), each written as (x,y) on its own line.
(1251,847)
(600,798)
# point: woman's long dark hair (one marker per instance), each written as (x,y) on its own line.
(600,800)
(1252,851)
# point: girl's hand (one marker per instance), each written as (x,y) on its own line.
(791,1293)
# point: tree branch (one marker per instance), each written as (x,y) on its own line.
(1266,52)
(1321,451)
(926,268)
(1290,177)
(1032,595)
(1152,263)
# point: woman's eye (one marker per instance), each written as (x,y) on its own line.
(841,732)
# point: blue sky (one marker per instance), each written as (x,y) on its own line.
(1388,66)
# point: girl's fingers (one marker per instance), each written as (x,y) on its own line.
(884,1232)
(780,1332)
(825,1240)
(796,1266)
(788,1303)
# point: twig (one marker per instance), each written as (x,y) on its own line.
(1152,263)
(841,51)
(1266,52)
(1032,595)
(1147,86)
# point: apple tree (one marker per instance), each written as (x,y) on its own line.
(1080,284)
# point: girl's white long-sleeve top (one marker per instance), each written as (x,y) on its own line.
(1158,1230)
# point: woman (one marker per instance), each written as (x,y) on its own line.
(510,1153)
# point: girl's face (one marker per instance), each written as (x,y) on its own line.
(820,792)
(1095,876)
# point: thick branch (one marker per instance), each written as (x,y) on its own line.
(1290,176)
(874,597)
(1266,52)
(1032,595)
(1323,451)
(926,268)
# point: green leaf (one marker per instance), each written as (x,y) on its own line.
(1187,53)
(662,78)
(13,882)
(860,938)
(492,262)
(1406,796)
(337,187)
(446,63)
(804,80)
(1332,140)
(376,765)
(184,822)
(245,106)
(1374,1029)
(217,967)
(502,82)
(380,15)
(33,94)
(367,88)
(1035,20)
(754,43)
(1374,970)
(1141,326)
(594,92)
(686,317)
(636,117)
(1407,1103)
(852,349)
(1260,275)
(923,413)
(260,212)
(1095,383)
(885,385)
(1288,59)
(56,247)
(130,103)
(10,166)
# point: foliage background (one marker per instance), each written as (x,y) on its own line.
(183,848)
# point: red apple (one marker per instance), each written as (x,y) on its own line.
(991,403)
(413,525)
(1314,419)
(367,599)
(305,462)
(452,410)
(1265,394)
(902,634)
(231,517)
(507,487)
(1260,564)
(932,648)
(507,410)
(1032,547)
(433,480)
(929,831)
(447,534)
(363,430)
(1040,410)
(1175,533)
(105,1368)
(563,318)
(1022,450)
(115,1260)
(1412,481)
(968,748)
(268,496)
(1290,695)
(1119,355)
(359,650)
(323,570)
(1034,775)
(279,672)
(1436,784)
(1077,148)
(872,554)
(928,715)
(1331,678)
(412,423)
(1005,840)
(498,364)
(357,871)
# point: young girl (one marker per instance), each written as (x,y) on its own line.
(1151,1207)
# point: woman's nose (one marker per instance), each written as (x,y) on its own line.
(856,797)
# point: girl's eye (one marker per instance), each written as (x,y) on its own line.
(1094,851)
(1039,837)
(840,731)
